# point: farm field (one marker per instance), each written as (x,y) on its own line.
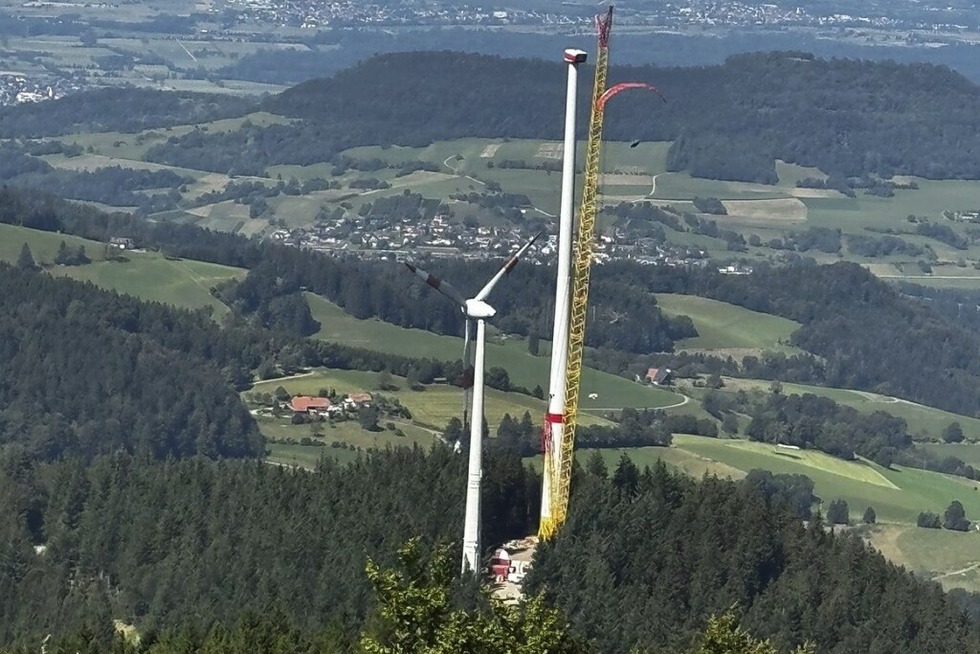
(920,418)
(150,276)
(431,408)
(44,245)
(305,456)
(630,174)
(966,452)
(898,495)
(525,370)
(349,434)
(723,326)
(948,557)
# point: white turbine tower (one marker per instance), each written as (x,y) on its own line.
(475,308)
(555,417)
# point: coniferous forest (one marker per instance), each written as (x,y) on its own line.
(176,548)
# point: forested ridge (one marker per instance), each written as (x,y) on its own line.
(847,117)
(117,109)
(87,372)
(645,558)
(174,544)
(731,121)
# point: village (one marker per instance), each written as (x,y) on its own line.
(442,238)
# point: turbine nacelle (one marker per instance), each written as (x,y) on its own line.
(478,309)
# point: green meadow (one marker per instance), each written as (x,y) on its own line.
(431,408)
(897,494)
(725,326)
(612,392)
(921,419)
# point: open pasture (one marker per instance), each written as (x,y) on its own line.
(431,408)
(721,325)
(681,186)
(782,211)
(612,392)
(347,432)
(968,452)
(44,245)
(897,494)
(948,557)
(147,275)
(305,456)
(150,276)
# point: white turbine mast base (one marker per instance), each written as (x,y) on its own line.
(474,474)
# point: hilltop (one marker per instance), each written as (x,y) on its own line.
(729,121)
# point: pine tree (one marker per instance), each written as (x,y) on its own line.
(596,466)
(26,260)
(724,636)
(453,431)
(837,513)
(870,517)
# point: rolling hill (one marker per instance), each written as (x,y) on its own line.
(147,275)
(612,392)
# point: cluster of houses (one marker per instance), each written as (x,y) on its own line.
(441,237)
(324,407)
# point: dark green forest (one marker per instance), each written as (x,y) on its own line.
(87,372)
(173,544)
(731,121)
(117,109)
(646,557)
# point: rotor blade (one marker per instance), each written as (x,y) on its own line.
(443,287)
(482,295)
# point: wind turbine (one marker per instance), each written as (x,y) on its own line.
(475,308)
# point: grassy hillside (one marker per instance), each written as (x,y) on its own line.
(948,557)
(151,276)
(44,245)
(465,165)
(612,392)
(432,407)
(920,418)
(723,326)
(897,495)
(146,275)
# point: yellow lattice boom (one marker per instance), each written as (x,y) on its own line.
(581,269)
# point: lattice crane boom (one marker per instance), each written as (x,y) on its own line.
(581,269)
